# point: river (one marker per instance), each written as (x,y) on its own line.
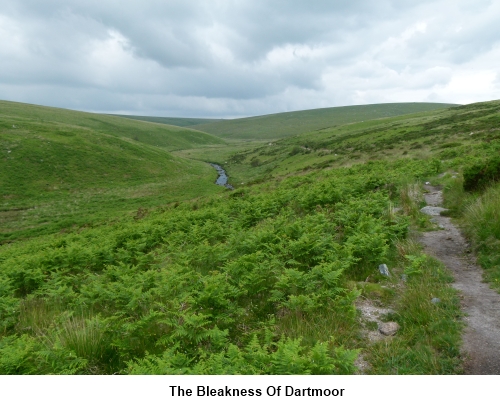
(222,179)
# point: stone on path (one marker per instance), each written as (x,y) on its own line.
(384,270)
(434,211)
(388,328)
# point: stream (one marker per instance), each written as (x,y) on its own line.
(222,179)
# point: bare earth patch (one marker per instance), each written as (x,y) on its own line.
(481,339)
(371,313)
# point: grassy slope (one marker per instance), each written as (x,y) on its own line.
(282,125)
(168,137)
(59,167)
(207,275)
(179,122)
(444,134)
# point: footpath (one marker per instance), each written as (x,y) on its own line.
(481,304)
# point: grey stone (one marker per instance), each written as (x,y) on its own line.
(434,211)
(404,277)
(384,270)
(435,300)
(388,328)
(427,183)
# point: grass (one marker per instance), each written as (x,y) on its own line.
(481,222)
(276,126)
(136,262)
(61,169)
(67,123)
(429,339)
(468,132)
(178,122)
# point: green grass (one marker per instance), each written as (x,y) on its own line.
(67,121)
(481,220)
(468,132)
(61,168)
(430,335)
(179,122)
(275,126)
(130,273)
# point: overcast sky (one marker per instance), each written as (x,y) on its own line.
(216,58)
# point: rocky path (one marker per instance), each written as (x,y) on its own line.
(481,339)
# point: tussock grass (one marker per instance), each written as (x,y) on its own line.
(430,335)
(481,221)
(411,199)
(320,326)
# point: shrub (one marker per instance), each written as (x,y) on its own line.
(479,175)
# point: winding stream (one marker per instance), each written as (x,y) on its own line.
(222,179)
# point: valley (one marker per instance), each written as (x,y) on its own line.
(120,255)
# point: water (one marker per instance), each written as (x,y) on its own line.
(222,179)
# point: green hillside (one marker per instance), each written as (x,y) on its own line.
(179,122)
(282,125)
(269,278)
(442,134)
(59,168)
(168,137)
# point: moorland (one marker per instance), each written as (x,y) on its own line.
(120,255)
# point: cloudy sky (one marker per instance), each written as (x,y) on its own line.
(234,58)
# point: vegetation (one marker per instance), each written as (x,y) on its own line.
(264,279)
(276,126)
(60,169)
(179,122)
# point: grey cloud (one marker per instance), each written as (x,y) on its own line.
(238,57)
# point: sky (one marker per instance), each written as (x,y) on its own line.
(226,59)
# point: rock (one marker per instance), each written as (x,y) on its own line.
(388,328)
(384,270)
(404,277)
(441,226)
(434,211)
(427,183)
(435,300)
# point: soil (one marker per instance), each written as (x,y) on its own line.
(481,304)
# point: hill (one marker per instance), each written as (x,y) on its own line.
(305,269)
(66,167)
(179,122)
(442,134)
(155,134)
(275,126)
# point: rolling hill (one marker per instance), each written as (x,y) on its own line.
(274,277)
(62,166)
(179,122)
(165,136)
(275,126)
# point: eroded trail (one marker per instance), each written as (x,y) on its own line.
(481,340)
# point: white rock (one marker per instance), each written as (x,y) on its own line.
(388,328)
(384,270)
(434,211)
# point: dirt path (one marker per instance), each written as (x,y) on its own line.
(481,339)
